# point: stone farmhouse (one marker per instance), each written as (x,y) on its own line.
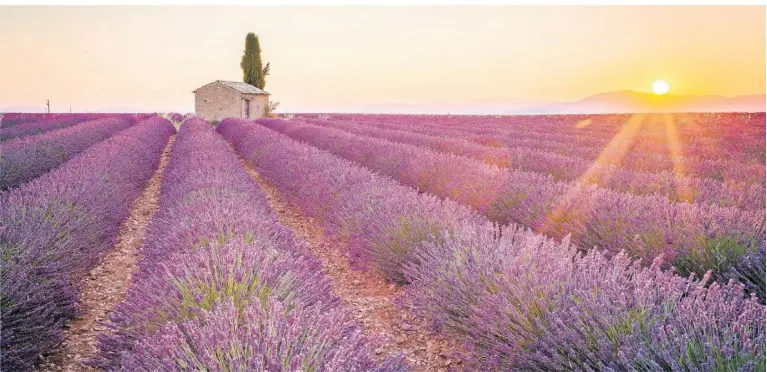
(230,99)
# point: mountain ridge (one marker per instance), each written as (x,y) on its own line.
(628,101)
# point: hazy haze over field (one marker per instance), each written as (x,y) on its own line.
(459,59)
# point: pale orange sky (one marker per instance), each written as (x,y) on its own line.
(344,58)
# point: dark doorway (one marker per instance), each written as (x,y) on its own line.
(246,108)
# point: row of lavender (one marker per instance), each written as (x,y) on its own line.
(23,159)
(617,152)
(40,126)
(57,227)
(222,286)
(521,300)
(8,120)
(695,238)
(700,135)
(54,122)
(669,184)
(691,126)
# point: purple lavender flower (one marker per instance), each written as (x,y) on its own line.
(222,285)
(258,337)
(524,301)
(644,226)
(57,227)
(25,158)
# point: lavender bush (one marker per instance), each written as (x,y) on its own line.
(269,338)
(522,300)
(570,168)
(24,159)
(217,265)
(176,117)
(735,138)
(724,148)
(380,222)
(10,119)
(643,226)
(530,303)
(751,271)
(46,124)
(57,227)
(39,123)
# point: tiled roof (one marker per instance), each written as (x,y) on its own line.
(240,86)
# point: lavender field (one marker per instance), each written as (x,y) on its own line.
(356,242)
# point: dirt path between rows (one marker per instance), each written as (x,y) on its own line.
(106,285)
(368,296)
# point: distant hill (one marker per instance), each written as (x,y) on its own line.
(627,101)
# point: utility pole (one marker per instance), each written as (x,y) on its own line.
(48,103)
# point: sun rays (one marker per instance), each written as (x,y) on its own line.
(613,155)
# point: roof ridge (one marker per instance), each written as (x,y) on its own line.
(240,86)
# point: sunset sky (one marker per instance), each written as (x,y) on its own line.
(344,58)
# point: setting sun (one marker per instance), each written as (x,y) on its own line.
(660,87)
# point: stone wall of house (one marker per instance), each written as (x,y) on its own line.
(217,102)
(258,105)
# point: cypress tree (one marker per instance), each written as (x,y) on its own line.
(253,71)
